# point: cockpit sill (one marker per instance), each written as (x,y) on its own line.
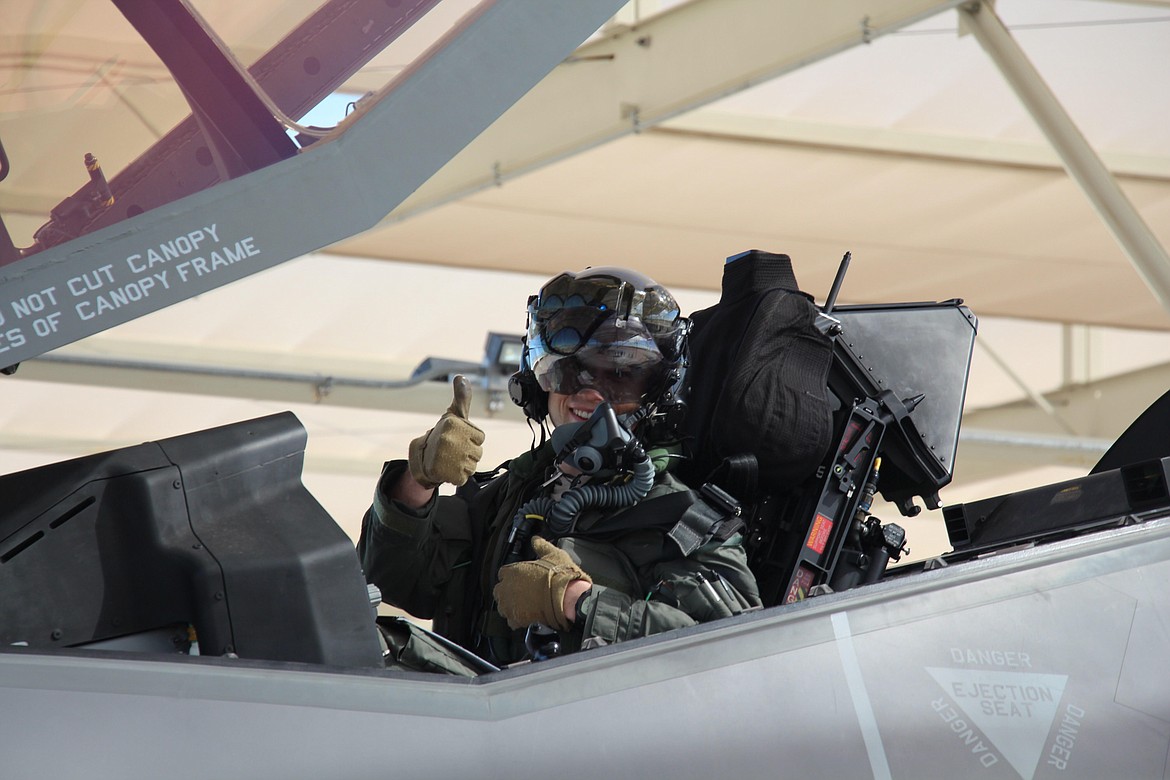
(907,601)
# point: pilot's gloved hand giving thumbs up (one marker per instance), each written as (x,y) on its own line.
(450,451)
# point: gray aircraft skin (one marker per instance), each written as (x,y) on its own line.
(1035,663)
(1036,651)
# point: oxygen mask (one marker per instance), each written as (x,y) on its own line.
(595,447)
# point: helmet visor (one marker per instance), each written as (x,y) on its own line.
(621,374)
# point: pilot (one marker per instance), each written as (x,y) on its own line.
(548,543)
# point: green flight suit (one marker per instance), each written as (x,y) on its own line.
(440,562)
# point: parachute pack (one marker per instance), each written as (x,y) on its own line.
(802,413)
(758,381)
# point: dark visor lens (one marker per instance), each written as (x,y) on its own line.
(568,292)
(565,331)
(569,375)
(568,310)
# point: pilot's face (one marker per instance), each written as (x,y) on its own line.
(579,406)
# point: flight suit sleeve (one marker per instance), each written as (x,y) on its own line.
(410,554)
(713,582)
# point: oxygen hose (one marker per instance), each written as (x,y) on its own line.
(560,520)
(559,516)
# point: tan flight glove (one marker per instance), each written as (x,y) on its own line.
(534,591)
(450,451)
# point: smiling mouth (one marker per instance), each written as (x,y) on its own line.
(581,414)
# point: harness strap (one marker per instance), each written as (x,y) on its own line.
(693,517)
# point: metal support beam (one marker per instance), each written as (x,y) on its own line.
(1138,242)
(415,393)
(910,145)
(638,76)
(1035,397)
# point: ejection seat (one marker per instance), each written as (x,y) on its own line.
(896,385)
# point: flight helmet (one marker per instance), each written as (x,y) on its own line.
(608,328)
